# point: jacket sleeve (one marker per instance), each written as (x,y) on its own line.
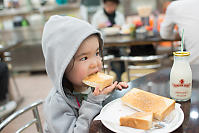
(120,19)
(167,27)
(60,117)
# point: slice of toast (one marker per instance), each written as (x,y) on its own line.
(149,102)
(139,120)
(98,79)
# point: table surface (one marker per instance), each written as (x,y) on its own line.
(127,40)
(158,83)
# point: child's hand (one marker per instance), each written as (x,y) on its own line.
(117,26)
(121,85)
(110,88)
(102,25)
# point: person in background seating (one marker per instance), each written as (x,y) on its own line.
(108,16)
(184,14)
(6,106)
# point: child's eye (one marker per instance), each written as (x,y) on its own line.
(97,53)
(84,58)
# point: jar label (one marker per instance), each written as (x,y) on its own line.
(180,90)
(181,84)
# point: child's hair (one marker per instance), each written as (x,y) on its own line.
(67,85)
(115,1)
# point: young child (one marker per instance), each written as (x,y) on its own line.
(72,49)
(108,16)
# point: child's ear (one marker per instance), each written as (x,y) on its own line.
(70,66)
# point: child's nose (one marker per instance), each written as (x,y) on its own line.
(93,64)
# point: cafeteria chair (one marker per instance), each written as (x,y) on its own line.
(107,66)
(36,120)
(138,66)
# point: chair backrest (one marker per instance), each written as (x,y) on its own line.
(107,62)
(36,120)
(107,66)
(141,63)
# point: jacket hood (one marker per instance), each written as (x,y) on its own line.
(62,36)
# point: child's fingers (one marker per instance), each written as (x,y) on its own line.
(96,91)
(119,87)
(109,89)
(123,84)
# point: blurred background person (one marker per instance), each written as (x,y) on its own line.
(184,14)
(6,106)
(108,16)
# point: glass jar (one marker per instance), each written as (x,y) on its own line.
(181,77)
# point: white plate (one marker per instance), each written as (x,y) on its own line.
(111,31)
(111,113)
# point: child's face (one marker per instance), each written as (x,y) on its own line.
(110,6)
(87,61)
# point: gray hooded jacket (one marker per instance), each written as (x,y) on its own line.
(61,38)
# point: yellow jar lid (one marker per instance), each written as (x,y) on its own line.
(179,53)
